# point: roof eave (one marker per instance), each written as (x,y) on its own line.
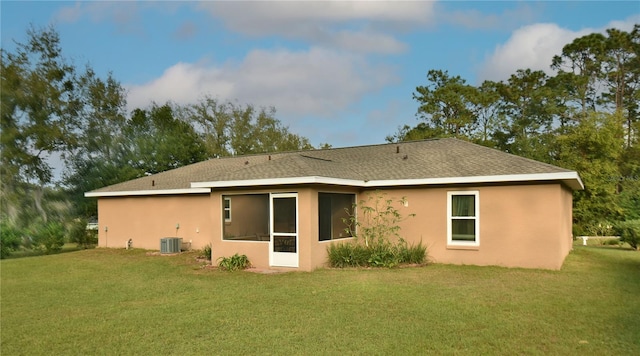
(278,181)
(147,192)
(569,178)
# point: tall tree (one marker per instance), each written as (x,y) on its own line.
(580,64)
(595,148)
(213,119)
(233,129)
(621,67)
(527,110)
(485,105)
(95,159)
(445,104)
(156,141)
(39,102)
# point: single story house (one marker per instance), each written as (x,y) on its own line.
(472,204)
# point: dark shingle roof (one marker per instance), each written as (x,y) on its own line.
(427,159)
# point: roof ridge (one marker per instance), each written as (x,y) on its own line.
(317,158)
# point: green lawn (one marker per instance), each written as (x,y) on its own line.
(105,301)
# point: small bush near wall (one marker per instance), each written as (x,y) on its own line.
(206,252)
(234,263)
(413,254)
(357,255)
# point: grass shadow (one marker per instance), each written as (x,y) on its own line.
(23,253)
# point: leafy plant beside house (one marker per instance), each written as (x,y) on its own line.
(377,241)
(343,255)
(206,252)
(234,263)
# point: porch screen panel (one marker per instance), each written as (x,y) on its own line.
(245,217)
(284,223)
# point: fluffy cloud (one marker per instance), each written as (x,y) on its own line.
(314,82)
(124,15)
(534,46)
(529,47)
(476,19)
(354,26)
(284,16)
(120,13)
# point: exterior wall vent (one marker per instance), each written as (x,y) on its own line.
(170,244)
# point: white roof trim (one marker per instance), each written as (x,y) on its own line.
(570,178)
(278,181)
(148,192)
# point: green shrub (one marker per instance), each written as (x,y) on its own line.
(49,236)
(10,238)
(352,254)
(347,255)
(413,254)
(612,242)
(206,252)
(234,263)
(629,232)
(80,235)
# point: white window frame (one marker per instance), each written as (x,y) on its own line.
(450,218)
(225,209)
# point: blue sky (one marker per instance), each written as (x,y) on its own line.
(341,73)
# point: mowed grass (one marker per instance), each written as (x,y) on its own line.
(106,302)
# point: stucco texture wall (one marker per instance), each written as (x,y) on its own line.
(147,219)
(520,225)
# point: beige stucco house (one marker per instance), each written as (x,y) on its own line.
(472,204)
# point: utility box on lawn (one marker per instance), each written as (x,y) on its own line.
(170,244)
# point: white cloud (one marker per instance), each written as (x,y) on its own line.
(366,42)
(69,14)
(348,25)
(528,47)
(534,46)
(123,14)
(314,82)
(99,11)
(476,19)
(280,16)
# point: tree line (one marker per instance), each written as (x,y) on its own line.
(56,114)
(585,117)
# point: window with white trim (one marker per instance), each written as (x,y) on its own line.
(227,209)
(463,218)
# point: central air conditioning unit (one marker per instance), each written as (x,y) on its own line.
(170,244)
